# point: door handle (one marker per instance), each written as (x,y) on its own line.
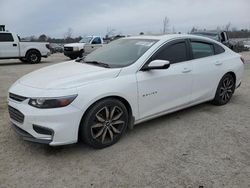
(14,44)
(186,70)
(218,63)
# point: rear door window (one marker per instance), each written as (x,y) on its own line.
(202,49)
(6,37)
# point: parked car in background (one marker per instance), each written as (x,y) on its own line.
(84,46)
(220,36)
(56,48)
(246,45)
(12,48)
(126,82)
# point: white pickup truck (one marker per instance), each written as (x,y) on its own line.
(84,46)
(12,48)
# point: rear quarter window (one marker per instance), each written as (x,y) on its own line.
(218,49)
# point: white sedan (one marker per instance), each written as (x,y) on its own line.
(124,83)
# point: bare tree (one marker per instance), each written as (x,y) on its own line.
(68,34)
(193,29)
(165,25)
(173,30)
(110,32)
(227,26)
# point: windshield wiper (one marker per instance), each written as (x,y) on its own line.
(97,63)
(92,62)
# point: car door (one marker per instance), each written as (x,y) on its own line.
(166,89)
(8,48)
(207,68)
(94,44)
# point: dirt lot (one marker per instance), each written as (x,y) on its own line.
(204,145)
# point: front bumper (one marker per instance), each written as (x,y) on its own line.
(28,137)
(63,122)
(46,55)
(73,53)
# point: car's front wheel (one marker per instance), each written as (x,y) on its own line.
(224,90)
(104,123)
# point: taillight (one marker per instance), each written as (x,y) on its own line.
(242,60)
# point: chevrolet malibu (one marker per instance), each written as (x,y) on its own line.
(124,83)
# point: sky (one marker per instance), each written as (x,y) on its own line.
(127,17)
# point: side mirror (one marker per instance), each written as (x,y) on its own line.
(157,64)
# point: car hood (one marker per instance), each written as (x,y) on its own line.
(67,75)
(74,45)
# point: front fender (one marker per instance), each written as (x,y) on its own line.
(115,87)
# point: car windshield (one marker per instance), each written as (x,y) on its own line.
(85,40)
(120,53)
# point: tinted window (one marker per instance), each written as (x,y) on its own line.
(121,52)
(6,37)
(174,53)
(97,40)
(218,49)
(201,49)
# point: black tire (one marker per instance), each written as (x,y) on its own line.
(104,123)
(81,54)
(72,57)
(23,60)
(33,57)
(225,90)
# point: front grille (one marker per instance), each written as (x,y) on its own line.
(16,114)
(68,48)
(17,97)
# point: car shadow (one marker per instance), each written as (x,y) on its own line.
(84,149)
(171,116)
(23,64)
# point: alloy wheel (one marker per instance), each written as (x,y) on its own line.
(108,124)
(33,57)
(227,89)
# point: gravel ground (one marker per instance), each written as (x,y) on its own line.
(204,145)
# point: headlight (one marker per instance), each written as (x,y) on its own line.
(51,102)
(76,48)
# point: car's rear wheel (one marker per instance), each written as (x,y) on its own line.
(104,123)
(33,57)
(224,90)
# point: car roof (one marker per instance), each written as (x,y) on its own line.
(171,36)
(93,36)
